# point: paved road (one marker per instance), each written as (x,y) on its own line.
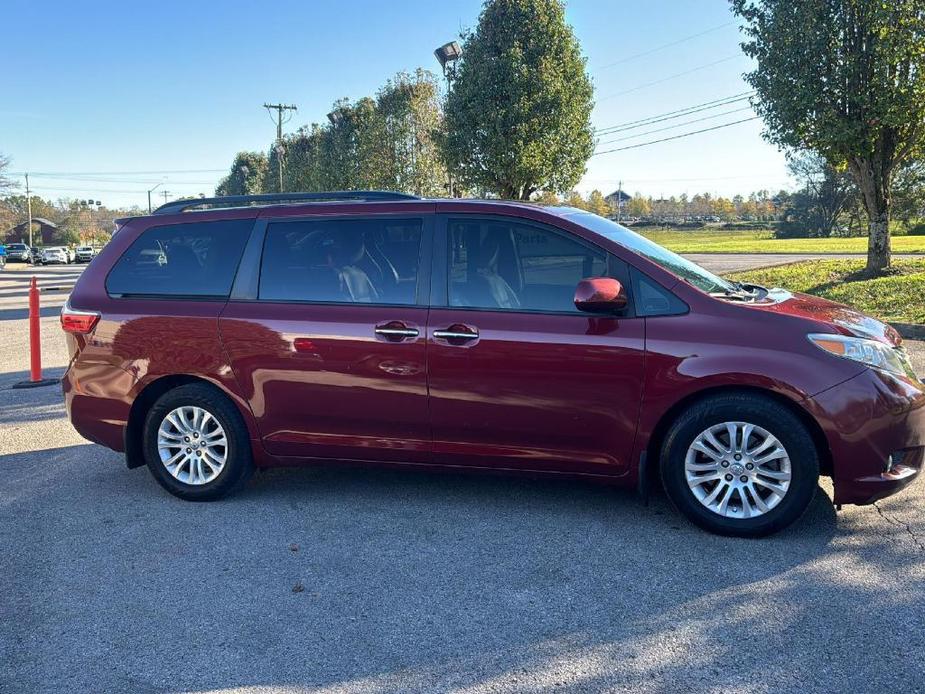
(412,582)
(722,263)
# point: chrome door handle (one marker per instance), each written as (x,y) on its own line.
(454,335)
(397,332)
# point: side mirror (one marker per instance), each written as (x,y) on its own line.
(600,295)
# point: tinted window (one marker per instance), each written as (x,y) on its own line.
(506,265)
(196,259)
(342,261)
(682,267)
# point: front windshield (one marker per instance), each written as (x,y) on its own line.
(683,268)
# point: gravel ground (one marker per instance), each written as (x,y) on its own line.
(364,581)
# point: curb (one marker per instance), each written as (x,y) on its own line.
(910,331)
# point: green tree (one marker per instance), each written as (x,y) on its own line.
(390,142)
(518,118)
(574,199)
(597,204)
(547,197)
(247,175)
(909,192)
(410,124)
(825,194)
(846,79)
(638,206)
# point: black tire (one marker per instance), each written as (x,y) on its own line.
(766,413)
(239,458)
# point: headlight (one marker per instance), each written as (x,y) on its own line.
(870,352)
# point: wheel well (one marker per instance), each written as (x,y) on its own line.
(654,448)
(134,454)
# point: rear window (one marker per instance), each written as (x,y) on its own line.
(189,260)
(342,261)
(16,247)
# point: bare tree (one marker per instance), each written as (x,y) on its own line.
(7,185)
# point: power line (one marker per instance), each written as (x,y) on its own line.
(670,115)
(93,179)
(671,77)
(675,137)
(87,190)
(664,46)
(675,125)
(117,173)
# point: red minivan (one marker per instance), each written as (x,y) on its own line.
(220,335)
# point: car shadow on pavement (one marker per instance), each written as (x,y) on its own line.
(377,580)
(21,313)
(11,405)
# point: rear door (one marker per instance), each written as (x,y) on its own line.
(325,332)
(519,378)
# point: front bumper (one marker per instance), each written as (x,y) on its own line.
(874,424)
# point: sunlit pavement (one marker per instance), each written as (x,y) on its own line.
(359,581)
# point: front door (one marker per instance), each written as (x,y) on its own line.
(330,352)
(519,378)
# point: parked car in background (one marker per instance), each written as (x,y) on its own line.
(481,335)
(18,253)
(84,254)
(55,255)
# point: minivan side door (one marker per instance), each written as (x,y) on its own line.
(325,332)
(519,378)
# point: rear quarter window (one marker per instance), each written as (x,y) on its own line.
(197,259)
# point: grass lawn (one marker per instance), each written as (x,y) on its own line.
(764,242)
(899,297)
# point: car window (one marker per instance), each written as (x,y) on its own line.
(196,259)
(342,261)
(511,266)
(682,267)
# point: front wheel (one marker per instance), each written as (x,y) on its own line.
(740,464)
(196,443)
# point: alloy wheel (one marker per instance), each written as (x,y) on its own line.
(738,470)
(192,445)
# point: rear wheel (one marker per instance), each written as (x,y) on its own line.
(196,443)
(740,464)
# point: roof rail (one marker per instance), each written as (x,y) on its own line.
(279,198)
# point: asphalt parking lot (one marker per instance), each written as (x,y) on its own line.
(372,581)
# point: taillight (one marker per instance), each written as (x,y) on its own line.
(78,322)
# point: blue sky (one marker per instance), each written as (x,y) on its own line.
(95,90)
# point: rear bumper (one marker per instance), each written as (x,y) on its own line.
(874,424)
(98,399)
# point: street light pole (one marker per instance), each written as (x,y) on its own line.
(149,195)
(448,56)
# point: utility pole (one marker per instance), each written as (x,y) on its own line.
(619,200)
(29,207)
(165,193)
(280,108)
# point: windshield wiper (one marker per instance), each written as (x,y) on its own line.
(755,290)
(742,292)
